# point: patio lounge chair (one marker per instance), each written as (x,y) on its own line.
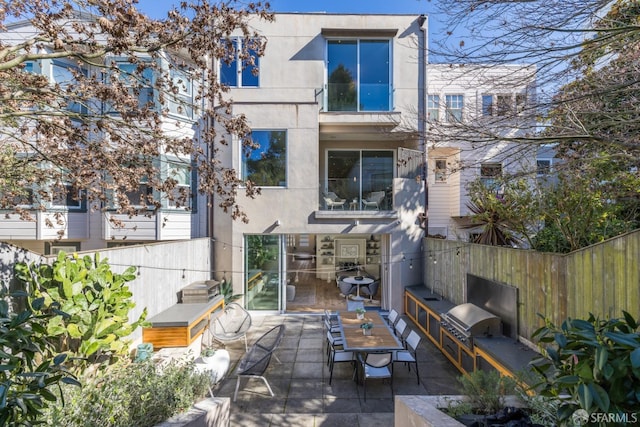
(332,200)
(255,362)
(231,325)
(374,200)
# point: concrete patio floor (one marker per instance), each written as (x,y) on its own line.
(303,395)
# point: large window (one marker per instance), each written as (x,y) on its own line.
(359,75)
(355,174)
(266,165)
(238,71)
(454,107)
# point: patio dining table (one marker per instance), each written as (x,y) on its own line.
(381,339)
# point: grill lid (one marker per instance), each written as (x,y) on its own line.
(467,315)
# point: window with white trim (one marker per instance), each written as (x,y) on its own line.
(64,75)
(433,108)
(489,174)
(440,170)
(181,100)
(180,197)
(454,105)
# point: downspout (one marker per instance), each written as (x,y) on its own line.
(422,119)
(210,197)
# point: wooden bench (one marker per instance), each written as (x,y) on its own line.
(180,324)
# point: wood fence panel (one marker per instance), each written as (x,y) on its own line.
(603,279)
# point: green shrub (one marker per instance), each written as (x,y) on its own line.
(131,394)
(486,390)
(30,371)
(92,304)
(591,364)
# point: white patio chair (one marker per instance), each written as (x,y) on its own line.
(374,200)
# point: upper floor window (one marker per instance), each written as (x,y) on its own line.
(359,75)
(454,104)
(266,165)
(180,197)
(238,71)
(63,75)
(489,174)
(181,99)
(440,171)
(433,108)
(503,104)
(139,84)
(487,105)
(71,198)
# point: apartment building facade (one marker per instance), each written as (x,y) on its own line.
(336,110)
(70,223)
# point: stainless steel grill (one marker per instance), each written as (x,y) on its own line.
(467,320)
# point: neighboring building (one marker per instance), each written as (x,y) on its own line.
(336,110)
(79,227)
(475,103)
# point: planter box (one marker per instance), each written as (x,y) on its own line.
(423,411)
(212,412)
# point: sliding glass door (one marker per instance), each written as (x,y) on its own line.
(355,174)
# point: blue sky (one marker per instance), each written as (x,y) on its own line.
(158,8)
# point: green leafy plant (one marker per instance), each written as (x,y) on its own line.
(226,290)
(131,394)
(94,303)
(367,325)
(30,372)
(591,364)
(486,390)
(360,310)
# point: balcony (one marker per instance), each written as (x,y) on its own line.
(341,198)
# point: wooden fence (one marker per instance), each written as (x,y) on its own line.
(603,279)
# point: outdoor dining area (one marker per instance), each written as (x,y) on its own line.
(328,370)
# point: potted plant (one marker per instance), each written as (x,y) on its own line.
(360,313)
(207,354)
(367,328)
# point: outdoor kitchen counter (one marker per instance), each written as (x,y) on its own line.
(514,355)
(433,301)
(499,352)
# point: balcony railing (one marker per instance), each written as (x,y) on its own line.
(347,194)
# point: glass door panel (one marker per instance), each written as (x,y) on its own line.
(263,272)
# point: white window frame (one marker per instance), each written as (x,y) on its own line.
(454,106)
(433,106)
(440,170)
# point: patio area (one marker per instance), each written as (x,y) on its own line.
(300,382)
